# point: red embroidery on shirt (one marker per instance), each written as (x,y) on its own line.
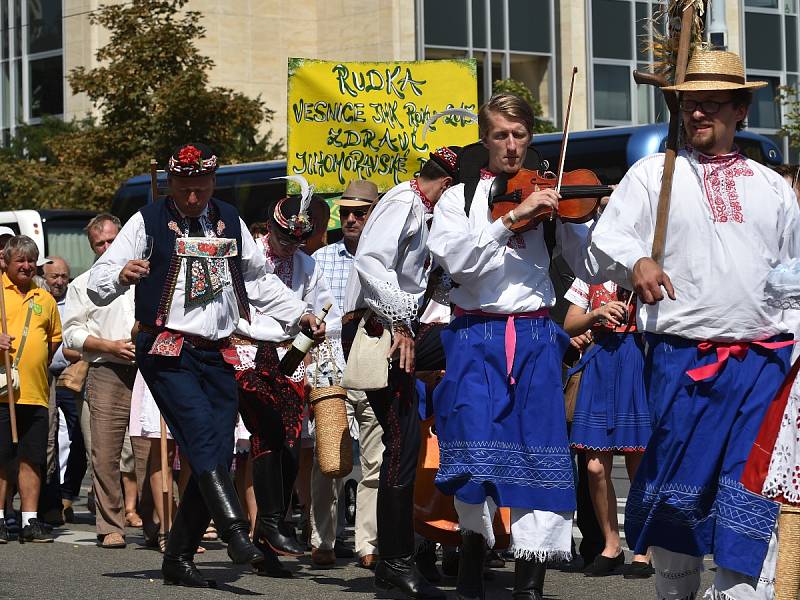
(487,174)
(282,267)
(719,178)
(516,242)
(418,191)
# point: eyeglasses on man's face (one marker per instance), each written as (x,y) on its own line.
(707,107)
(358,213)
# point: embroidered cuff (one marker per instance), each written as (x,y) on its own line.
(499,232)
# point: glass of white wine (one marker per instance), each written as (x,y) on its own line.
(147,251)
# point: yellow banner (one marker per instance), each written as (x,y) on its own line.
(364,120)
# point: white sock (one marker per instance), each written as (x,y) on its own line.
(26,517)
(2,513)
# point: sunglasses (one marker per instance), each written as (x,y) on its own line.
(358,213)
(708,107)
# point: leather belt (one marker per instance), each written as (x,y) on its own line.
(195,340)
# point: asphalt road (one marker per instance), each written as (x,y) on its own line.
(73,567)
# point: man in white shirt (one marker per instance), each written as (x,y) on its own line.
(500,408)
(197,270)
(102,334)
(389,277)
(336,262)
(716,351)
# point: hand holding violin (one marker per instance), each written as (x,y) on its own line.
(536,203)
(648,278)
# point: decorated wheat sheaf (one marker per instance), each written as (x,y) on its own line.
(663,41)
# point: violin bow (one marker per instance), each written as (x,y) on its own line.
(563,155)
(689,11)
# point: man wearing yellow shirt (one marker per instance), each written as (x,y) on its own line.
(33,310)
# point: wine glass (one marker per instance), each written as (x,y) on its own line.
(147,251)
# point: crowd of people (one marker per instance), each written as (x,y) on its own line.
(531,342)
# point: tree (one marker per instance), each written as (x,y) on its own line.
(151,92)
(518,88)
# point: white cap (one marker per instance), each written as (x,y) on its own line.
(42,261)
(6,230)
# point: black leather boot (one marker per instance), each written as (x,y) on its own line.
(187,530)
(425,559)
(469,585)
(269,488)
(396,567)
(271,567)
(223,504)
(528,580)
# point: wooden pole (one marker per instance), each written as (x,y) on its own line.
(671,153)
(12,411)
(166,480)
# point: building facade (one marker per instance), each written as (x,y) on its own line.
(535,41)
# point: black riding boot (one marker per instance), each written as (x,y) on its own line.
(396,567)
(223,504)
(187,530)
(269,488)
(470,567)
(528,579)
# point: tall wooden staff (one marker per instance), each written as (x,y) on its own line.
(671,98)
(166,487)
(12,411)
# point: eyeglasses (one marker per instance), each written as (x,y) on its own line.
(288,242)
(356,212)
(708,107)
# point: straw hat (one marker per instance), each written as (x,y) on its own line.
(711,70)
(359,193)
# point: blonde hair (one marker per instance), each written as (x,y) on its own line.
(510,106)
(98,221)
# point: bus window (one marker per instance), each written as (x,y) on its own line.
(68,240)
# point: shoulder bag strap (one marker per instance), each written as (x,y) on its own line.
(25,328)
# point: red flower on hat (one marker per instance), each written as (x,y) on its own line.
(189,155)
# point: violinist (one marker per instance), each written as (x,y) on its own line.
(716,351)
(499,410)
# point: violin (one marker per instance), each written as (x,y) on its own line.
(580,191)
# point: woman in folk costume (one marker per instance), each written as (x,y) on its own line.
(773,467)
(270,403)
(500,408)
(611,413)
(716,352)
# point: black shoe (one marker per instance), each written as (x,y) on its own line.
(3,532)
(604,566)
(35,532)
(494,560)
(185,573)
(425,559)
(271,567)
(528,580)
(402,574)
(470,567)
(343,551)
(639,570)
(271,527)
(220,497)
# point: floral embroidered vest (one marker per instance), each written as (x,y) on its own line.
(154,293)
(599,295)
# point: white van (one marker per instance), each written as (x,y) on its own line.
(56,232)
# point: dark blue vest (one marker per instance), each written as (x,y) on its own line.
(157,219)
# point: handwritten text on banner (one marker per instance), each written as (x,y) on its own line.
(360,120)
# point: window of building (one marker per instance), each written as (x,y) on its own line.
(31,63)
(771,55)
(619,32)
(508,39)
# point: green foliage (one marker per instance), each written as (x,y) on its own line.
(152,93)
(518,88)
(789,97)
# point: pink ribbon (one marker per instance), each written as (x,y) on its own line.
(724,351)
(511,331)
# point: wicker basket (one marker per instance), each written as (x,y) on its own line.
(333,442)
(787,572)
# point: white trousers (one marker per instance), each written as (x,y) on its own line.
(678,577)
(535,534)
